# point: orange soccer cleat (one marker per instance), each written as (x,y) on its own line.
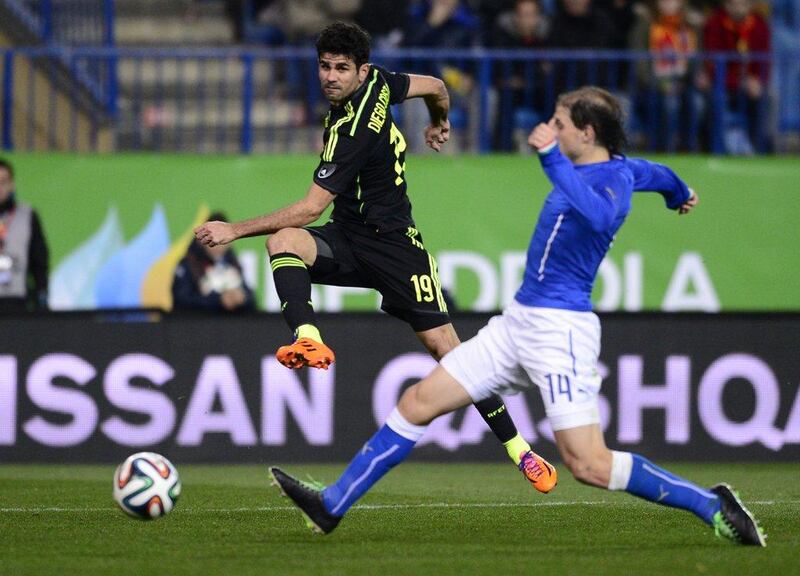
(538,471)
(305,352)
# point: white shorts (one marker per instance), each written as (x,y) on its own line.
(557,350)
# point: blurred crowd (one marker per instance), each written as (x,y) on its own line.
(674,32)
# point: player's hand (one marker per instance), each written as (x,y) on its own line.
(542,136)
(215,233)
(686,207)
(437,134)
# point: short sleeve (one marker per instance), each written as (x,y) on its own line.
(397,82)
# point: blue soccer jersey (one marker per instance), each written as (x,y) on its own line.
(579,220)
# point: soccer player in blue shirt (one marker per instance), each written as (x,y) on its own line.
(548,337)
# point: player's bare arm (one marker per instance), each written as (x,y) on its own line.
(434,92)
(295,215)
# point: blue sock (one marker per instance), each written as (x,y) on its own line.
(380,454)
(655,484)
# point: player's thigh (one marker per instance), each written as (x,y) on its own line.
(559,350)
(436,394)
(406,275)
(486,364)
(335,263)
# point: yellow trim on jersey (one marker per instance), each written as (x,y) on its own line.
(437,283)
(333,137)
(364,101)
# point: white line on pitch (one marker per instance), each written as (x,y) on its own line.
(34,510)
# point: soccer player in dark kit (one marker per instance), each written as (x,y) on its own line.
(370,240)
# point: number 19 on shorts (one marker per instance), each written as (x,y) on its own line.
(423,287)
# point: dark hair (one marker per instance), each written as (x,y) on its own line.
(598,108)
(218,216)
(345,39)
(7,165)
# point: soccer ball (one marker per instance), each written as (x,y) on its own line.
(146,485)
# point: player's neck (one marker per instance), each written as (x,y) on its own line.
(592,155)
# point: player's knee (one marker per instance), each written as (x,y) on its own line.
(415,407)
(440,341)
(283,241)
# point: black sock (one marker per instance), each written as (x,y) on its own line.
(494,412)
(293,284)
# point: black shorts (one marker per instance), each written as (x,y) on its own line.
(396,264)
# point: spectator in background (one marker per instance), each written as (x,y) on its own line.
(24,257)
(239,10)
(384,20)
(667,77)
(301,20)
(210,278)
(735,27)
(520,83)
(623,14)
(581,24)
(442,24)
(445,24)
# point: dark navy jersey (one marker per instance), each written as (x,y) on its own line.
(363,160)
(579,220)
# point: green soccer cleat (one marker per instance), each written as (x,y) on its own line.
(308,498)
(734,521)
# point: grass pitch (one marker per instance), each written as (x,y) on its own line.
(436,519)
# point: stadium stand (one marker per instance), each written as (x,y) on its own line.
(240,76)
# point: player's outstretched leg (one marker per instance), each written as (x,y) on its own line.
(540,473)
(734,521)
(718,507)
(324,508)
(293,284)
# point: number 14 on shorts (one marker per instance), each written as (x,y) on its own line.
(559,386)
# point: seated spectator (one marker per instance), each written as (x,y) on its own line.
(210,278)
(446,24)
(578,24)
(520,83)
(302,20)
(24,257)
(735,27)
(384,20)
(667,77)
(523,27)
(581,24)
(442,24)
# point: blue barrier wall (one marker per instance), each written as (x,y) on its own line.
(268,100)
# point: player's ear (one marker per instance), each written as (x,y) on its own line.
(589,134)
(363,70)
